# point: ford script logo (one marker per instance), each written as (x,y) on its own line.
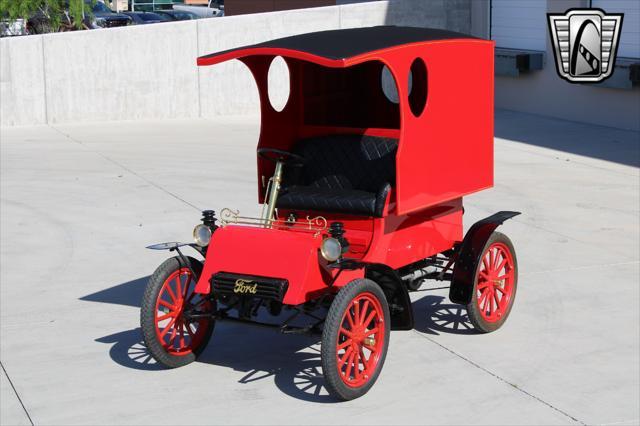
(245,286)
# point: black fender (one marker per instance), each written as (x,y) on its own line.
(169,246)
(396,293)
(469,254)
(175,246)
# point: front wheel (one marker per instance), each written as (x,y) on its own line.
(495,284)
(173,339)
(355,339)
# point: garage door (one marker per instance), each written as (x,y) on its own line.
(629,45)
(519,24)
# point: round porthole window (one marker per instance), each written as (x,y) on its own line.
(389,85)
(278,83)
(418,94)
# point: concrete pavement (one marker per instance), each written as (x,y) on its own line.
(80,202)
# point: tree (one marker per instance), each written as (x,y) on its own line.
(59,14)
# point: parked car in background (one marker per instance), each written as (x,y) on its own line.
(143,18)
(177,15)
(98,16)
(214,9)
(9,28)
(103,17)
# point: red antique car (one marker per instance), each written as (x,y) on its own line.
(362,202)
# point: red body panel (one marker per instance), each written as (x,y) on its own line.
(444,153)
(399,240)
(393,240)
(291,255)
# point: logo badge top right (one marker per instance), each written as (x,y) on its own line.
(585,43)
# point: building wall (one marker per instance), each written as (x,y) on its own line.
(545,93)
(22,81)
(150,72)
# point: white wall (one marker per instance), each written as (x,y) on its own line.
(22,82)
(97,75)
(150,72)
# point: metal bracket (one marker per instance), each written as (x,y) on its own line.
(316,225)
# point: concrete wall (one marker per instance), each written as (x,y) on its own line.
(149,72)
(22,81)
(545,93)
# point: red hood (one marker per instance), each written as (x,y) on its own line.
(290,255)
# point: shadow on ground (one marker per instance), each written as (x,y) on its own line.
(433,315)
(291,361)
(604,143)
(127,294)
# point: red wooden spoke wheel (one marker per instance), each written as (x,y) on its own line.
(355,339)
(177,335)
(360,339)
(495,284)
(172,337)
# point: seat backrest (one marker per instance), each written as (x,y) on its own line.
(358,162)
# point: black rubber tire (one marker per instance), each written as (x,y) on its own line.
(147,314)
(473,310)
(333,382)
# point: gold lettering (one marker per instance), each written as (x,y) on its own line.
(245,286)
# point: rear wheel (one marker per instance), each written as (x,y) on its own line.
(495,284)
(172,338)
(355,339)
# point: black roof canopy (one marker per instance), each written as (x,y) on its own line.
(346,43)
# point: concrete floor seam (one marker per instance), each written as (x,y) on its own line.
(516,387)
(125,168)
(16,393)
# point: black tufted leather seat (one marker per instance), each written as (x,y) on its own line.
(342,174)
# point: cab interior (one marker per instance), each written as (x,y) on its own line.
(350,121)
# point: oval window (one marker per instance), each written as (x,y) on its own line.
(418,94)
(389,85)
(278,85)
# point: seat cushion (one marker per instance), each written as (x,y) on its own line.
(341,173)
(359,162)
(348,201)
